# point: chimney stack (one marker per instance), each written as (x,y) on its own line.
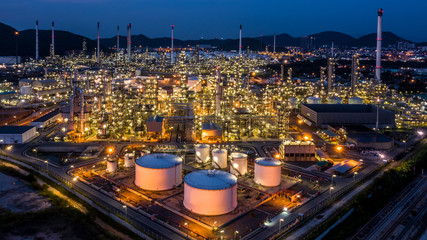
(379,40)
(240,41)
(118,40)
(97,47)
(172,59)
(129,40)
(37,40)
(53,39)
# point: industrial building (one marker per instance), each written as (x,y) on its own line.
(321,115)
(17,134)
(297,151)
(155,126)
(211,132)
(47,120)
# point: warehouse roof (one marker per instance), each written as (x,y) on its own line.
(156,118)
(15,129)
(210,126)
(48,116)
(341,108)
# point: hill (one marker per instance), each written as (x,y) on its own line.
(67,41)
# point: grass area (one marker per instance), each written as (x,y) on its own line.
(371,200)
(67,221)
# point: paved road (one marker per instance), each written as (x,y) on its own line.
(270,228)
(17,152)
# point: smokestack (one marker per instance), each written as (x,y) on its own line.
(118,40)
(282,72)
(129,41)
(53,39)
(172,60)
(97,47)
(240,41)
(218,92)
(379,40)
(274,43)
(127,37)
(37,40)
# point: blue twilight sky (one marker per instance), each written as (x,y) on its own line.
(219,18)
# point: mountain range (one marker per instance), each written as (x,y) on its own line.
(67,41)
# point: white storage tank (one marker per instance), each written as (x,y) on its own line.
(293,102)
(239,163)
(158,171)
(267,171)
(111,165)
(129,160)
(210,192)
(202,153)
(219,158)
(26,90)
(355,100)
(313,100)
(334,100)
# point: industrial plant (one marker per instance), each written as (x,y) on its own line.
(196,142)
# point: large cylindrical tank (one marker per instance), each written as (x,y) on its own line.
(334,100)
(267,171)
(26,90)
(313,100)
(219,158)
(293,102)
(158,171)
(239,163)
(202,153)
(129,160)
(355,100)
(111,165)
(210,192)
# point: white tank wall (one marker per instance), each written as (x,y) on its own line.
(313,100)
(129,160)
(202,153)
(26,90)
(269,176)
(219,156)
(239,163)
(158,179)
(355,100)
(111,166)
(334,100)
(210,202)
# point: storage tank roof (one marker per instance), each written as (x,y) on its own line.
(202,146)
(158,160)
(238,155)
(219,150)
(210,179)
(267,161)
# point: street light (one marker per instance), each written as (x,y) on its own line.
(47,165)
(332,179)
(280,223)
(330,191)
(354,176)
(110,150)
(126,210)
(222,232)
(235,234)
